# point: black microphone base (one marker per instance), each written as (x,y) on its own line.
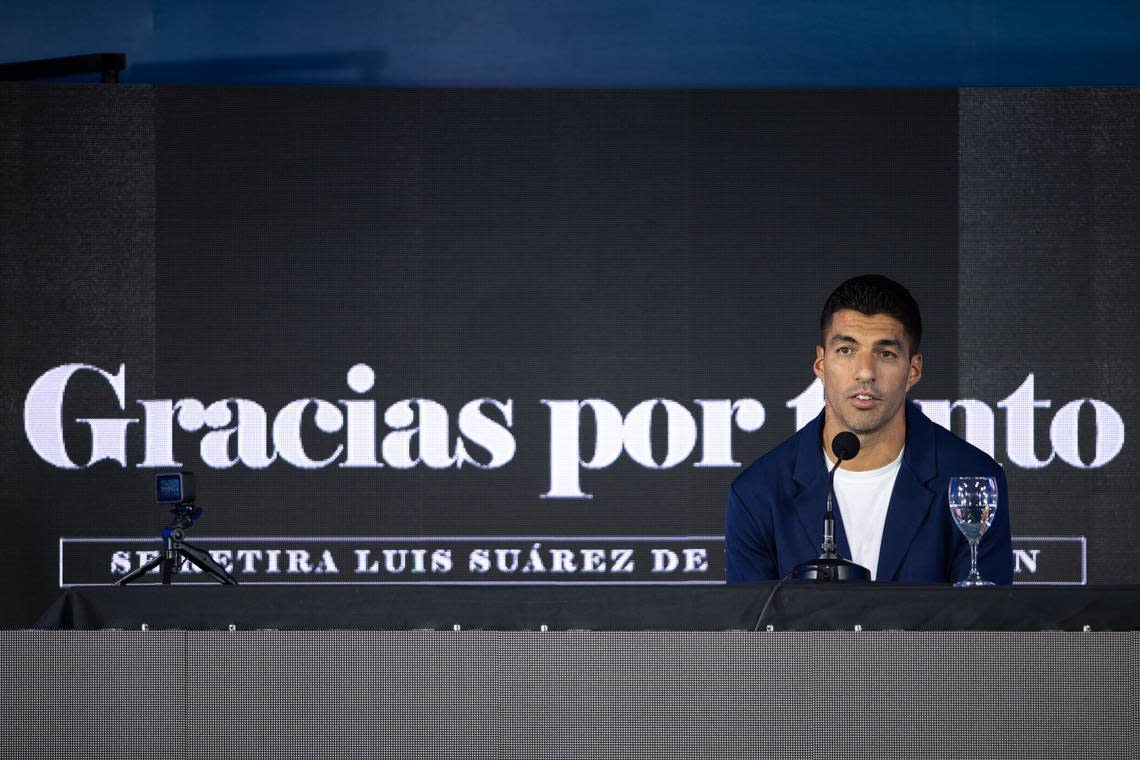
(830,569)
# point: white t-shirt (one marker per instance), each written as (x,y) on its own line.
(862,499)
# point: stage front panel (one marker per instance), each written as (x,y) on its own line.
(572,694)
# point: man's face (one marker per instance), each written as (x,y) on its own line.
(866,369)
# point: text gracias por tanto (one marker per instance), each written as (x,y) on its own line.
(355,420)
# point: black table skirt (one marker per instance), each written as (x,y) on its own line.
(795,606)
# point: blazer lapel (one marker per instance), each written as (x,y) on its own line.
(911,499)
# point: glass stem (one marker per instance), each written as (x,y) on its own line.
(973,560)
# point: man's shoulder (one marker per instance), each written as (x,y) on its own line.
(956,452)
(771,468)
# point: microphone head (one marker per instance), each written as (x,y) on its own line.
(845,446)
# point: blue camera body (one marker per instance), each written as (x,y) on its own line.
(175,487)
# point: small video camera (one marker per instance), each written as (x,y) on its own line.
(175,488)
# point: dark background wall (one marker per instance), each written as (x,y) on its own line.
(592,43)
(1038,206)
(233,243)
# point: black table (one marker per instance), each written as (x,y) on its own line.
(797,606)
(651,671)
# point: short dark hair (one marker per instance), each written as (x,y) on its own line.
(873,294)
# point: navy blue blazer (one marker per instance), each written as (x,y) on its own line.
(775,511)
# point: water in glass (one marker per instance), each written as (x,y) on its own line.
(973,504)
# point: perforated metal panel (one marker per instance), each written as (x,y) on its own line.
(638,694)
(93,694)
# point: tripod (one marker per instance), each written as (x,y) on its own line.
(174,548)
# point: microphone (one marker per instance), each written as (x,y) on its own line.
(830,566)
(844,446)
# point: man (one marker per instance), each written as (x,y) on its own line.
(892,515)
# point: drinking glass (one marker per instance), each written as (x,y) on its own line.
(973,504)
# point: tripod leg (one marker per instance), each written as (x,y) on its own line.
(205,562)
(142,570)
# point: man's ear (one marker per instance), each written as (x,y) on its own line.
(915,373)
(817,366)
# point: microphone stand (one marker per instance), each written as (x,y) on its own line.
(829,566)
